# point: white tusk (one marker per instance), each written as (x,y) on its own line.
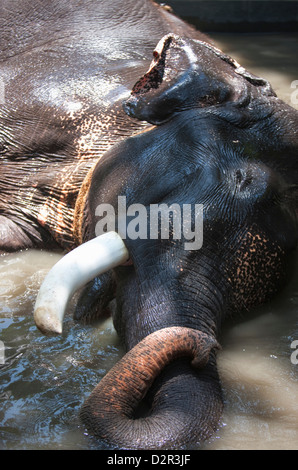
(73,271)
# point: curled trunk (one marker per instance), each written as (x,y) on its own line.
(186,401)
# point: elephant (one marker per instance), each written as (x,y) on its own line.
(92,123)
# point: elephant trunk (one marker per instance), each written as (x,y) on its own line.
(183,407)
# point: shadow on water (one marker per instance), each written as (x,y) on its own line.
(44,381)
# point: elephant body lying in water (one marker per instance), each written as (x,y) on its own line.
(217,136)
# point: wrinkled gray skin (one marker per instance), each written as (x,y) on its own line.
(217,136)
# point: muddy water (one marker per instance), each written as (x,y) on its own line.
(43,381)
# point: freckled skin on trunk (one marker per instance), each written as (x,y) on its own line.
(109,412)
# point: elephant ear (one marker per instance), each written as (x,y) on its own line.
(187,74)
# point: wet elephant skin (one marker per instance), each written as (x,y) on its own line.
(64,76)
(195,128)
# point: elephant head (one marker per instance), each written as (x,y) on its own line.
(221,140)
